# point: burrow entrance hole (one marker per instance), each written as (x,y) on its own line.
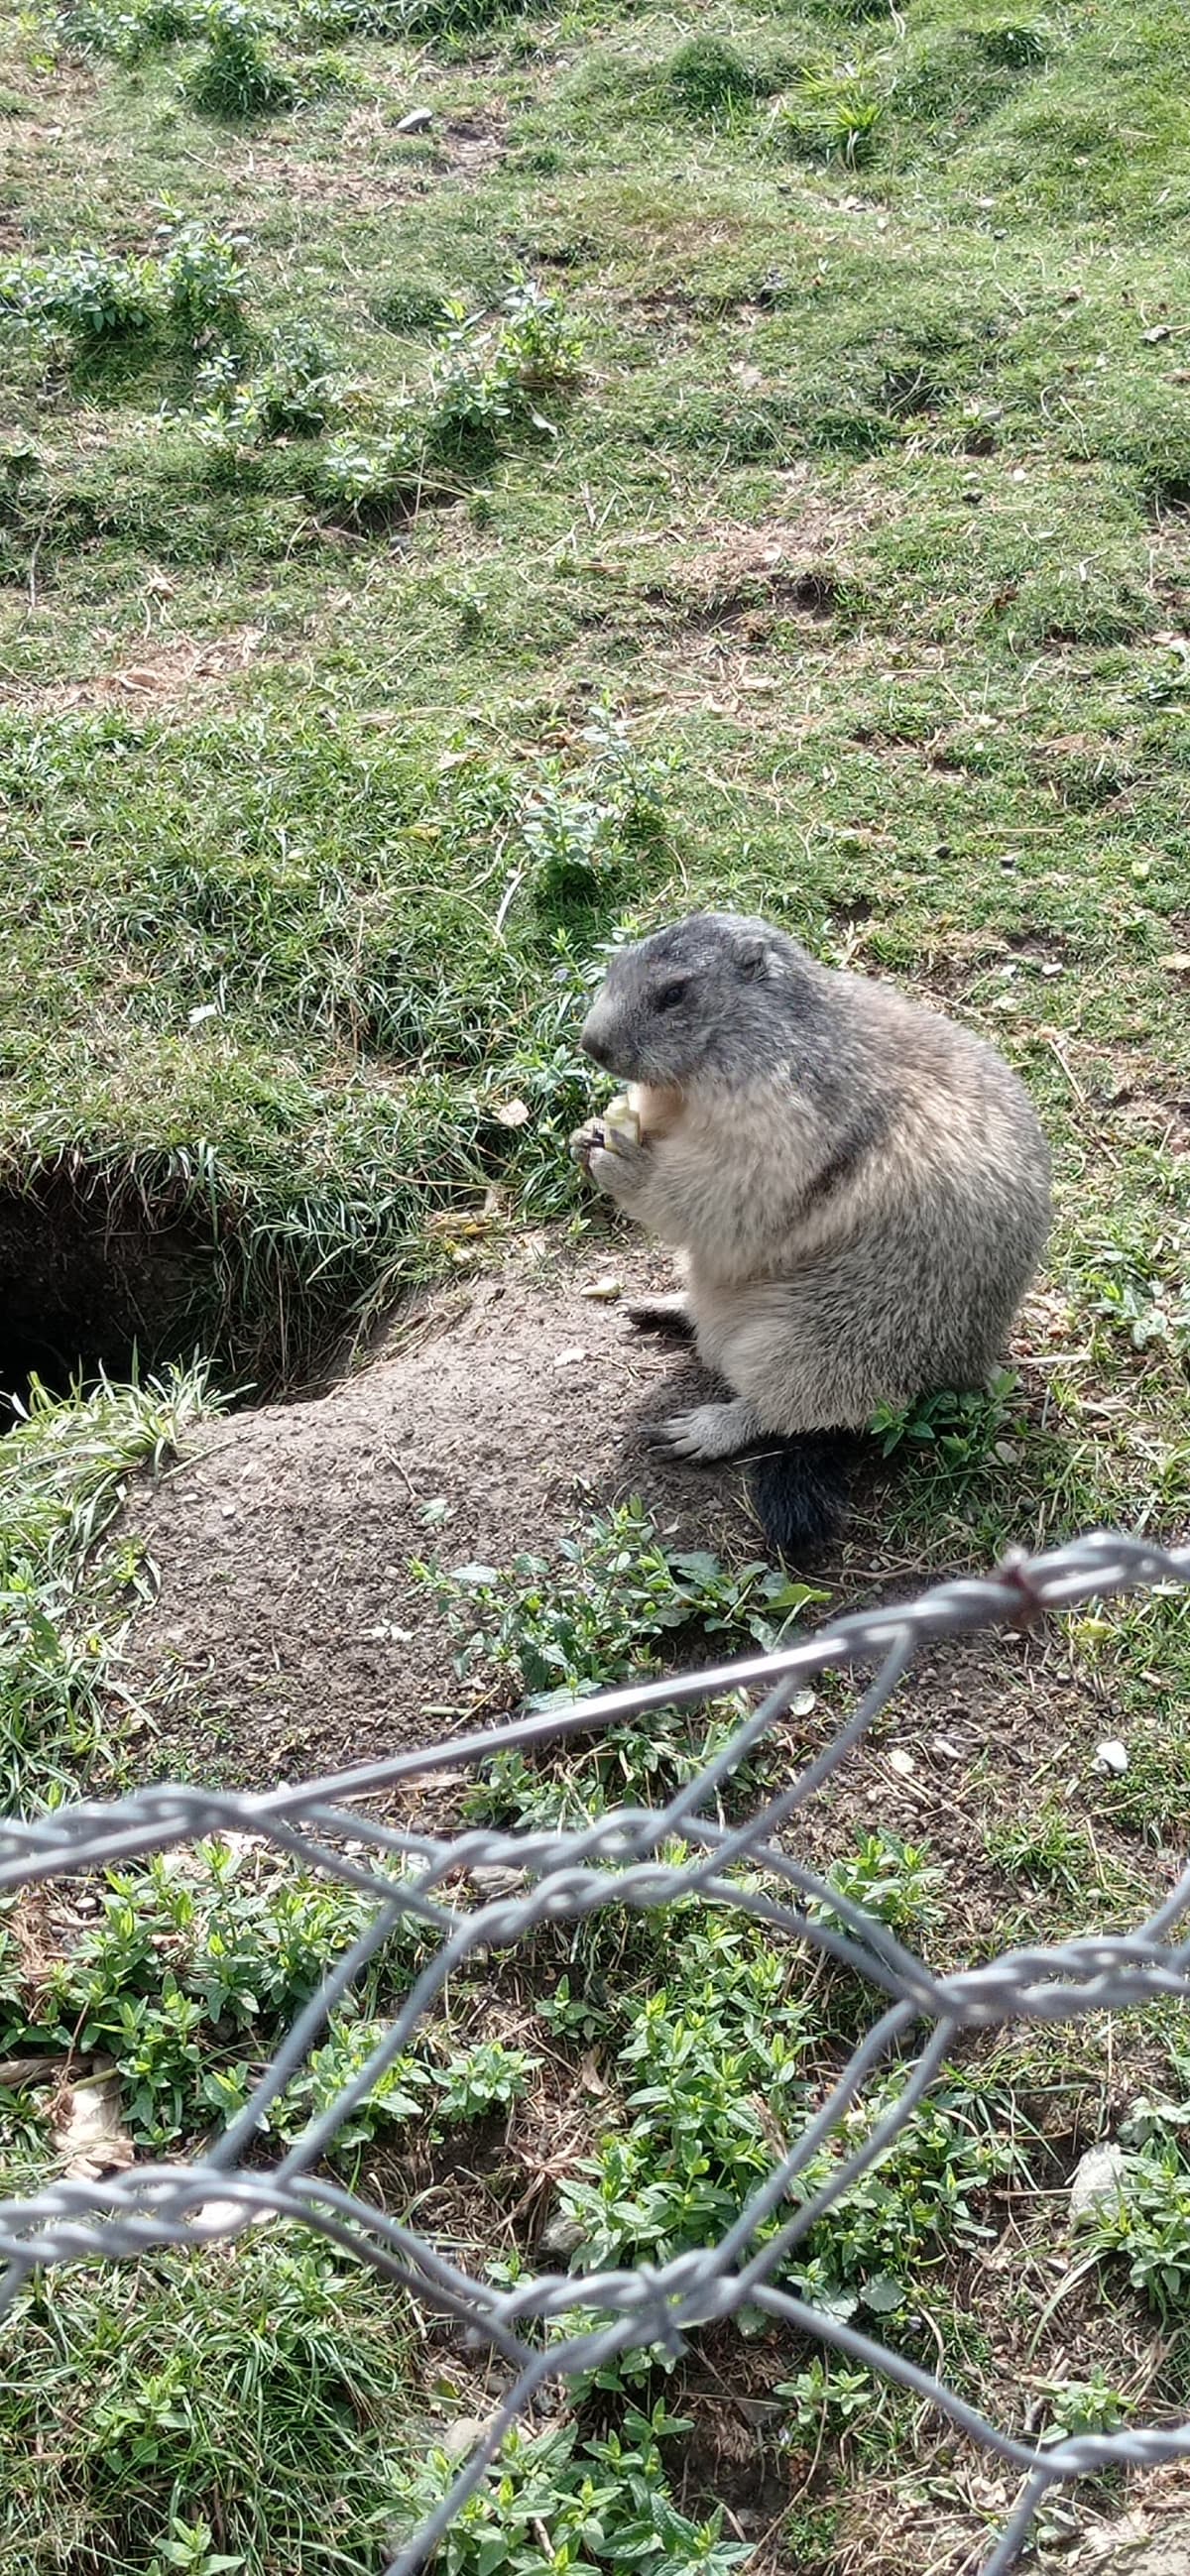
(92,1281)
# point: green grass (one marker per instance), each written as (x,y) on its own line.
(260,2392)
(746,465)
(66,1584)
(943,402)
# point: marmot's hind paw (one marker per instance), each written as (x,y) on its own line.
(706,1432)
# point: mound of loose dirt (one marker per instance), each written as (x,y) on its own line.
(288,1634)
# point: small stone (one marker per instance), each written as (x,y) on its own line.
(1112,1756)
(418,121)
(563,2236)
(902,1763)
(1097,2178)
(572,1358)
(802,1704)
(461,2437)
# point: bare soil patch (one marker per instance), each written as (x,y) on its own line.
(288,1634)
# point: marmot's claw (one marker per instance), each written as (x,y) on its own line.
(680,1435)
(586,1140)
(706,1432)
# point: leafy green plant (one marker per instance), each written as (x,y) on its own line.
(203,276)
(93,297)
(712,2061)
(183,1970)
(237,77)
(489,2077)
(827,2395)
(925,2196)
(127,34)
(538,349)
(621,1765)
(1146,2223)
(962,1428)
(367,480)
(296,391)
(553,2506)
(1142,1290)
(1091,2405)
(892,1879)
(190,2550)
(603,1612)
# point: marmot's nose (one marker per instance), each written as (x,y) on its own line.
(592,1042)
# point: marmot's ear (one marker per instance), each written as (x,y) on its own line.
(752,956)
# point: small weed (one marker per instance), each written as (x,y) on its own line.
(828,2396)
(190,2549)
(962,1429)
(237,77)
(203,276)
(1046,1849)
(724,2036)
(834,116)
(891,1879)
(489,2077)
(92,297)
(551,2502)
(601,1614)
(705,76)
(182,1973)
(1091,2405)
(296,392)
(927,2194)
(1147,2225)
(127,34)
(620,1766)
(1142,1288)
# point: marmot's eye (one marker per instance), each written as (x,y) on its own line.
(668,996)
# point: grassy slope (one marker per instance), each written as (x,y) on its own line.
(867,515)
(932,385)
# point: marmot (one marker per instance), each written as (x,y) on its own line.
(860,1191)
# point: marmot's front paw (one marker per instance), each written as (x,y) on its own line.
(585,1140)
(618,1167)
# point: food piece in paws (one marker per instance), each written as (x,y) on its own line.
(620,1122)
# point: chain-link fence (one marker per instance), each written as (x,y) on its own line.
(482,1891)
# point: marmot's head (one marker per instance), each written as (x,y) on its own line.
(711,995)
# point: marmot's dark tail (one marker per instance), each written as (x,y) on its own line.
(800,1489)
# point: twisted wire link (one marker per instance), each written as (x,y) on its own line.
(482,1890)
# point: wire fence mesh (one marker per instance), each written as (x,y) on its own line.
(478,1891)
